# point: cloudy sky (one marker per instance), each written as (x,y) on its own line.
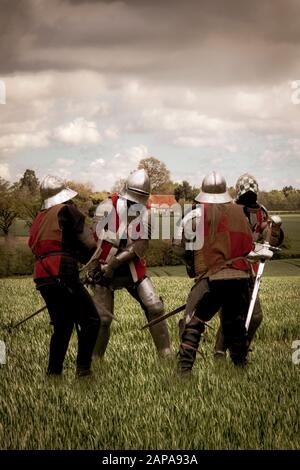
(94,86)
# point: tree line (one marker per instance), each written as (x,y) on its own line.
(22,199)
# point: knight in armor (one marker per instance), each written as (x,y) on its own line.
(59,239)
(221,275)
(262,230)
(120,262)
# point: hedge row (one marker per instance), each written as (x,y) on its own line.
(17,259)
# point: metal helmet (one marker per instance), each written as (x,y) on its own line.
(214,190)
(54,191)
(244,184)
(137,187)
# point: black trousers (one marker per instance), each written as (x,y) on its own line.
(67,307)
(257,316)
(232,297)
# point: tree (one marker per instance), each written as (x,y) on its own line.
(83,200)
(29,207)
(29,183)
(27,192)
(9,209)
(293,199)
(287,189)
(232,192)
(273,200)
(158,173)
(185,191)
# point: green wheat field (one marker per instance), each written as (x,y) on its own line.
(134,401)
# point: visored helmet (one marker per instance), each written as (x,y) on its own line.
(214,190)
(137,187)
(244,184)
(54,191)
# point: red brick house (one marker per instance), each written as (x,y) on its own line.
(162,202)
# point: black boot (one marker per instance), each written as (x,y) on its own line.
(190,339)
(83,372)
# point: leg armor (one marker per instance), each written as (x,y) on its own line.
(103,297)
(154,307)
(189,343)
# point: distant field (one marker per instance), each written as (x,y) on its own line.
(285,267)
(291,227)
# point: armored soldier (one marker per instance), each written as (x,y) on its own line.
(221,274)
(120,262)
(263,228)
(59,240)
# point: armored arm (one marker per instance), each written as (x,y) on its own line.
(125,256)
(273,232)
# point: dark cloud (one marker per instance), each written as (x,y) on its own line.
(194,41)
(16,19)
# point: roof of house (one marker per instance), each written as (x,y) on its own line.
(159,199)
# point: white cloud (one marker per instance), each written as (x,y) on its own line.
(104,173)
(12,142)
(270,156)
(112,133)
(188,121)
(98,163)
(195,141)
(231,148)
(78,132)
(171,118)
(27,87)
(4,171)
(133,154)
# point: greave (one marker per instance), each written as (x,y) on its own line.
(102,341)
(103,297)
(161,339)
(153,307)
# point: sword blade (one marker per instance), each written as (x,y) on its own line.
(163,317)
(30,316)
(254,293)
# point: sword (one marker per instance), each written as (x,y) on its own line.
(163,317)
(261,252)
(12,326)
(260,271)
